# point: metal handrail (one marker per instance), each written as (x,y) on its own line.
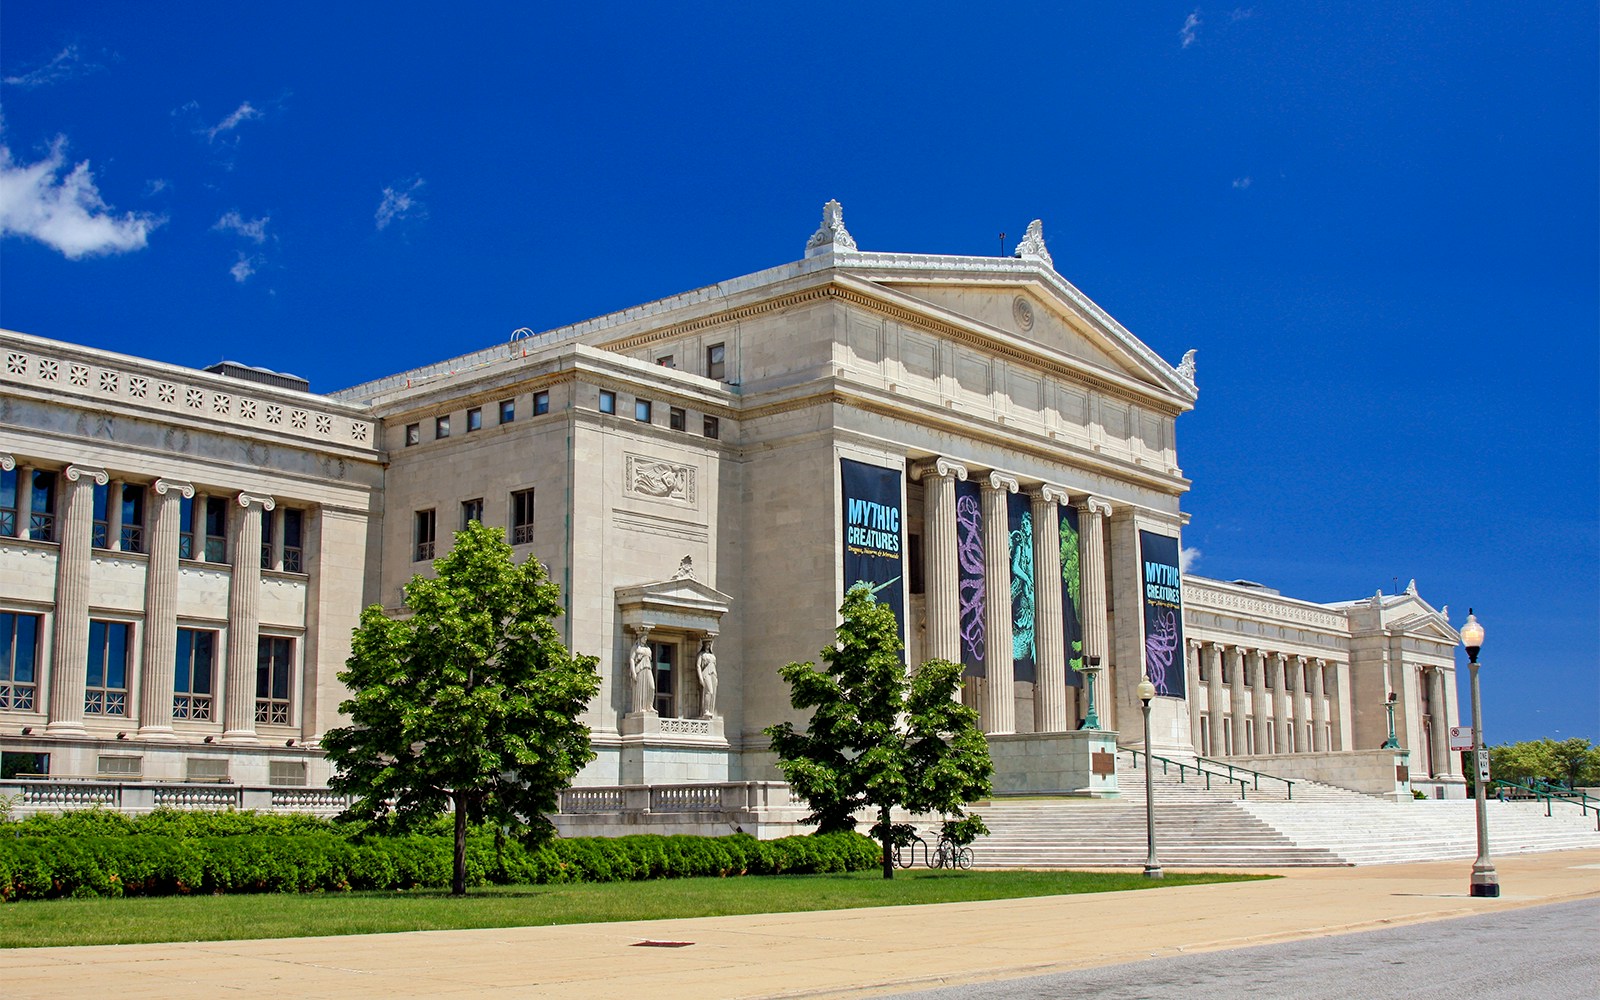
(1579,799)
(1255,776)
(1567,794)
(1184,767)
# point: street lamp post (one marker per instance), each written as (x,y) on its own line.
(1392,743)
(1152,867)
(1091,718)
(1485,880)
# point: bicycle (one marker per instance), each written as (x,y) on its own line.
(949,854)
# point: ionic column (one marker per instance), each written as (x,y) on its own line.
(1319,708)
(70,649)
(1214,702)
(998,707)
(244,619)
(1440,746)
(1092,512)
(1302,706)
(1282,724)
(114,516)
(24,500)
(1339,706)
(1192,669)
(161,610)
(1258,702)
(197,526)
(1236,686)
(1050,686)
(939,554)
(8,463)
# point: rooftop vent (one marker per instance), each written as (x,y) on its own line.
(1253,585)
(265,376)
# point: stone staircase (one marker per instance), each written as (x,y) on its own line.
(1214,828)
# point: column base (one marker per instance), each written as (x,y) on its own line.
(1485,884)
(66,727)
(240,736)
(155,733)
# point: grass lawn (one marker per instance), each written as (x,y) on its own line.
(216,918)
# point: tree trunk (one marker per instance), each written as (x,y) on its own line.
(458,878)
(888,838)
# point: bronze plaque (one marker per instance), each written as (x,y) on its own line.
(1101,762)
(1402,773)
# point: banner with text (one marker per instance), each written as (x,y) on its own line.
(1163,613)
(969,576)
(873,533)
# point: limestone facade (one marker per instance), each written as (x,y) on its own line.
(677,468)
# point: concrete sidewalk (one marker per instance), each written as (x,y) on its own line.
(840,953)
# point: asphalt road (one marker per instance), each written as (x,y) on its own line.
(1534,953)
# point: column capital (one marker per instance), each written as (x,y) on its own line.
(1097,505)
(7,462)
(1049,493)
(76,472)
(164,486)
(1000,481)
(246,499)
(940,468)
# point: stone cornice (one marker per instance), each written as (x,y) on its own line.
(1198,595)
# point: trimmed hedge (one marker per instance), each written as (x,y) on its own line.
(166,853)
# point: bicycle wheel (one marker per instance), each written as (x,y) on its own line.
(964,858)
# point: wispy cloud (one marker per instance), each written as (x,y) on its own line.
(243,113)
(1190,29)
(1241,183)
(63,65)
(1188,559)
(1241,14)
(245,266)
(254,230)
(399,202)
(63,208)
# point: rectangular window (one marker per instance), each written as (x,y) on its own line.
(216,525)
(186,528)
(205,769)
(667,361)
(20,763)
(712,427)
(608,401)
(8,503)
(508,410)
(426,531)
(413,434)
(132,539)
(441,427)
(641,410)
(474,419)
(521,517)
(677,419)
(194,674)
(100,530)
(42,507)
(19,661)
(541,403)
(106,686)
(266,538)
(471,510)
(274,667)
(119,766)
(294,532)
(286,773)
(716,362)
(666,658)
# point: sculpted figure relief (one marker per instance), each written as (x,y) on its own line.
(644,677)
(707,668)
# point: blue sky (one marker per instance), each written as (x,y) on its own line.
(1377,223)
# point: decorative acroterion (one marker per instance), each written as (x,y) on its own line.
(1186,366)
(1032,247)
(831,235)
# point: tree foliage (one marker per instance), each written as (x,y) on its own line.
(1574,762)
(471,702)
(877,738)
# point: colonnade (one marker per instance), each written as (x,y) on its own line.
(997,702)
(1260,701)
(72,526)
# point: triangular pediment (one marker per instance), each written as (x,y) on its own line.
(1039,313)
(677,593)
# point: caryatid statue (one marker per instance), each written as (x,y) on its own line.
(707,668)
(644,676)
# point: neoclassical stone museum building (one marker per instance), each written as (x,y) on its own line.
(183,553)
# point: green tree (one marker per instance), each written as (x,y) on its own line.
(471,702)
(1573,762)
(876,737)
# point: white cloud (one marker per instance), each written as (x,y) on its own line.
(1188,558)
(1191,26)
(244,267)
(1242,14)
(62,66)
(400,202)
(1241,183)
(241,114)
(254,230)
(63,209)
(155,187)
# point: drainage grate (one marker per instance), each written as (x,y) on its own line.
(661,944)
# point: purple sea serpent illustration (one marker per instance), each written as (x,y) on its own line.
(969,553)
(1159,647)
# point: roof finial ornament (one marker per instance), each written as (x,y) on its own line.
(1186,366)
(685,569)
(1031,246)
(831,235)
(1411,588)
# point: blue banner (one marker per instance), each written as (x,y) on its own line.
(1163,613)
(874,533)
